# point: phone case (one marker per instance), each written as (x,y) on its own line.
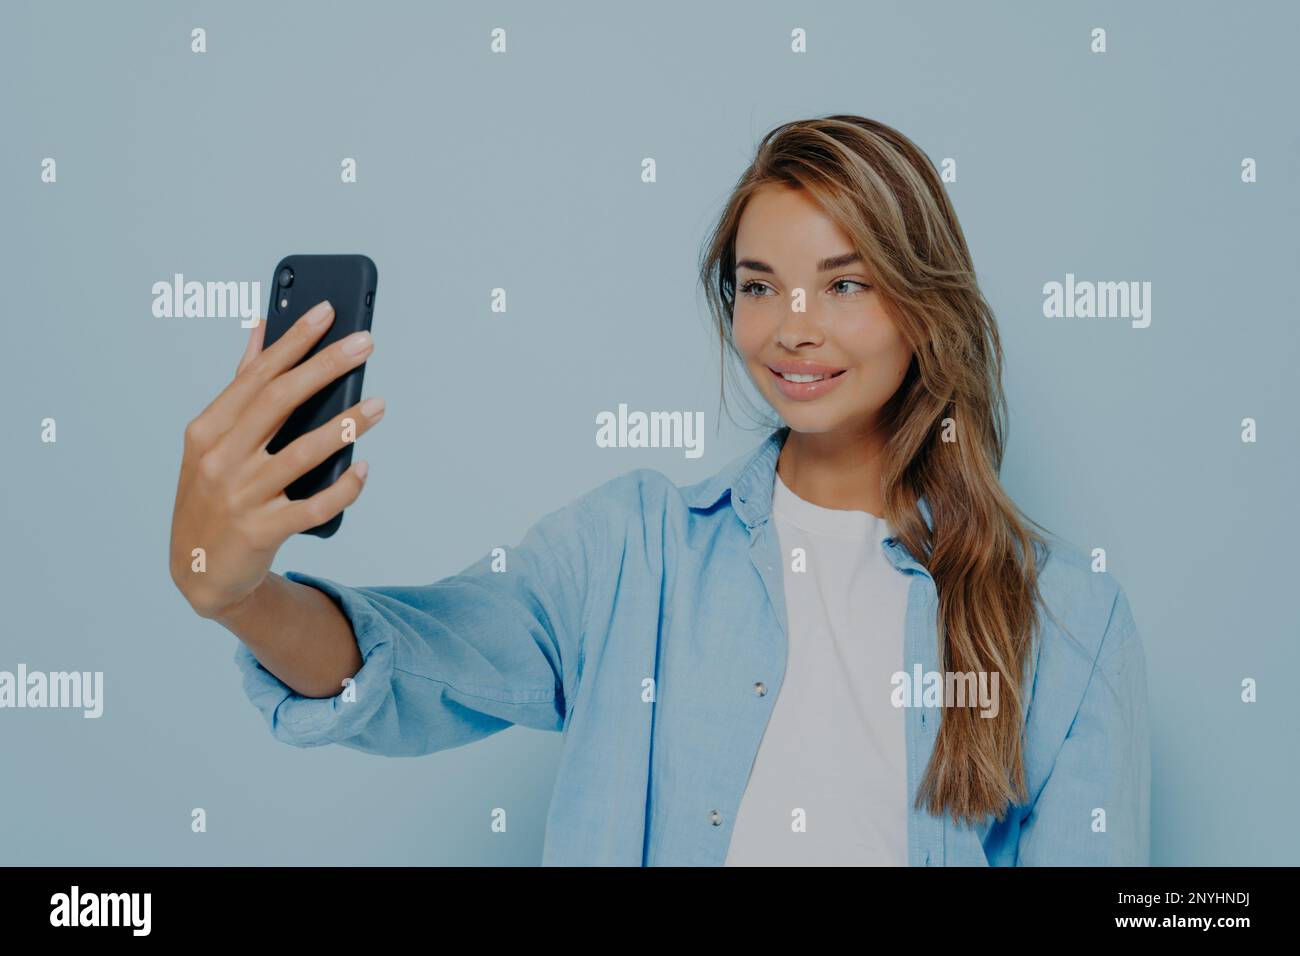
(350,282)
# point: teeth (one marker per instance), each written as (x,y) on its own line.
(791,377)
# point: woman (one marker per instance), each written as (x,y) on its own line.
(845,647)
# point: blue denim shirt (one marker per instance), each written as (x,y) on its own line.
(640,620)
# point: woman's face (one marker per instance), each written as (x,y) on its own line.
(804,302)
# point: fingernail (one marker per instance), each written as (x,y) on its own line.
(356,343)
(320,314)
(371,407)
(361,468)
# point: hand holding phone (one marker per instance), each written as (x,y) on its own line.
(349,283)
(232,512)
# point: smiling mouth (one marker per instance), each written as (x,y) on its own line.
(805,379)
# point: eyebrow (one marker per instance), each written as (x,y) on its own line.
(826,265)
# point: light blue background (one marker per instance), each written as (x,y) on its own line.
(522,171)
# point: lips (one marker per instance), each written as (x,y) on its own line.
(805,368)
(805,391)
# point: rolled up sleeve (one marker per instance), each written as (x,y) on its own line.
(1104,764)
(451,662)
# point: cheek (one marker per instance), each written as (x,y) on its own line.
(884,353)
(900,354)
(894,351)
(747,333)
(875,341)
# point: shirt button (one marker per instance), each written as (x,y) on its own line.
(715,818)
(760,689)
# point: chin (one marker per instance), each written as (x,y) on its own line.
(807,420)
(808,428)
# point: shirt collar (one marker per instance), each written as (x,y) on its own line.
(750,478)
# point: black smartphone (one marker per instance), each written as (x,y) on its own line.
(349,282)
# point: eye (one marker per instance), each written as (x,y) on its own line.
(748,287)
(751,288)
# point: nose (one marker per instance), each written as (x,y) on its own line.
(800,328)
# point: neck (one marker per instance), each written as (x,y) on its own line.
(839,469)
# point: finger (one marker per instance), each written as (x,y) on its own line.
(288,517)
(261,420)
(224,410)
(306,452)
(255,339)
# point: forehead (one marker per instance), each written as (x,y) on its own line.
(787,224)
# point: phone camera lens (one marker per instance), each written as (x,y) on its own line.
(286,277)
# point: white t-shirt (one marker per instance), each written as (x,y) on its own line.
(834,747)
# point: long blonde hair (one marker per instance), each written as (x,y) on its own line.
(886,195)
